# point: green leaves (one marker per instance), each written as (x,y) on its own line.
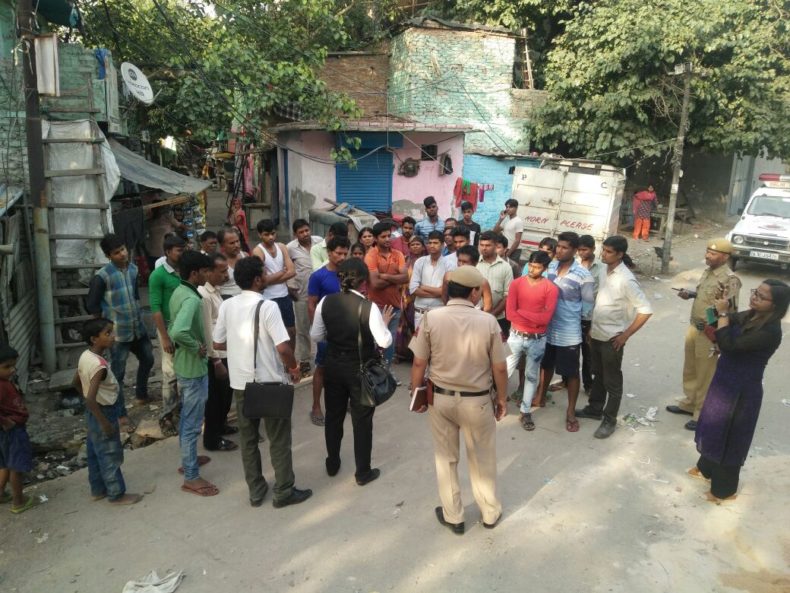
(611,85)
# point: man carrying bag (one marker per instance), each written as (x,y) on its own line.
(251,364)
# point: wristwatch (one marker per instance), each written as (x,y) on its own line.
(726,314)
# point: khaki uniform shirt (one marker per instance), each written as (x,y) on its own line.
(708,290)
(461,344)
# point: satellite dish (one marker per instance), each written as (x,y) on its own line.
(137,83)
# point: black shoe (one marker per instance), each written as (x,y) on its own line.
(588,412)
(371,475)
(690,425)
(678,410)
(494,524)
(332,467)
(296,497)
(259,501)
(606,429)
(222,445)
(456,528)
(228,430)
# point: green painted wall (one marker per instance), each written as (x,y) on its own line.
(452,76)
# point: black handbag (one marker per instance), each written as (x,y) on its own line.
(377,383)
(266,400)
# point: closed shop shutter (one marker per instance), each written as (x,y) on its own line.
(369,185)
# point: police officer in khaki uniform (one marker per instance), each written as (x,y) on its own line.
(701,354)
(463,346)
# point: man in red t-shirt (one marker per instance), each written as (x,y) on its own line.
(530,306)
(643,203)
(407,231)
(388,273)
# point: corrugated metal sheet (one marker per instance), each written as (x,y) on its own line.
(18,295)
(369,185)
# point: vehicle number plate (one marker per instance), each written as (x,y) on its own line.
(764,255)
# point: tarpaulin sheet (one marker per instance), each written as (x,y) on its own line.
(135,168)
(79,189)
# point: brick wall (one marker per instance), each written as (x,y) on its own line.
(362,76)
(442,75)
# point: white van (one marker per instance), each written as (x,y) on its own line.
(763,232)
(565,195)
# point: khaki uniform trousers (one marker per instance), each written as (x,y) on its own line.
(302,331)
(698,369)
(475,417)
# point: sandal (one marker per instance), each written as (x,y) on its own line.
(208,490)
(526,422)
(571,425)
(695,473)
(202,460)
(317,419)
(32,501)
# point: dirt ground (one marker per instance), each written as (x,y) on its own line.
(618,515)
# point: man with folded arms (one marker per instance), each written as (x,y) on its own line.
(461,371)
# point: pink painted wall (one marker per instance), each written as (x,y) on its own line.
(408,192)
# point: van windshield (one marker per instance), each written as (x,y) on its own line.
(770,206)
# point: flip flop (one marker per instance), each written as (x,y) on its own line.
(208,490)
(317,419)
(527,422)
(572,425)
(32,501)
(168,428)
(202,460)
(695,473)
(558,386)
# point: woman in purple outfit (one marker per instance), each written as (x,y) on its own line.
(729,416)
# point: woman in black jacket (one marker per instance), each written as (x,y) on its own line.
(352,327)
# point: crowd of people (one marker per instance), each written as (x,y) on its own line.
(479,327)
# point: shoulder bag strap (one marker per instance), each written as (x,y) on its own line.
(256,333)
(359,333)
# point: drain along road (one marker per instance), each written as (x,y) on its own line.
(619,515)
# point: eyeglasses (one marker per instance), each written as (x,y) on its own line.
(760,297)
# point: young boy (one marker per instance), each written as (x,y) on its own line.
(16,454)
(98,385)
(474,229)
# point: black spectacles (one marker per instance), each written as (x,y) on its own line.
(759,296)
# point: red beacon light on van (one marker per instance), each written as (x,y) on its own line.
(775,180)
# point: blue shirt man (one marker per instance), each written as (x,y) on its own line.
(431,222)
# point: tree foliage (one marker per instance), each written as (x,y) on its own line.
(229,61)
(611,84)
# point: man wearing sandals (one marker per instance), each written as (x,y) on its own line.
(530,306)
(189,362)
(564,334)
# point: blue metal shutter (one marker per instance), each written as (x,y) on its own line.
(368,186)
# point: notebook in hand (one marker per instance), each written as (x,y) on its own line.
(419,398)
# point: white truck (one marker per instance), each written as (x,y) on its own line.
(565,195)
(763,232)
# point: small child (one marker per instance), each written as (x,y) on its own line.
(100,388)
(16,454)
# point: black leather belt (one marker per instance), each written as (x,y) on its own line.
(444,391)
(527,335)
(422,311)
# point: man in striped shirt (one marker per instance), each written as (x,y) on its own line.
(564,336)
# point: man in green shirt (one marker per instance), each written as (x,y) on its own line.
(161,284)
(190,364)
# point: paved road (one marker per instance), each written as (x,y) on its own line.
(580,514)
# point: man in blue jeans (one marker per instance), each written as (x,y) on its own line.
(531,302)
(190,365)
(114,295)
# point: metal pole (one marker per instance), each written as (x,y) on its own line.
(35,164)
(677,161)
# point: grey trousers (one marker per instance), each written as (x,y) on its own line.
(607,378)
(279,434)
